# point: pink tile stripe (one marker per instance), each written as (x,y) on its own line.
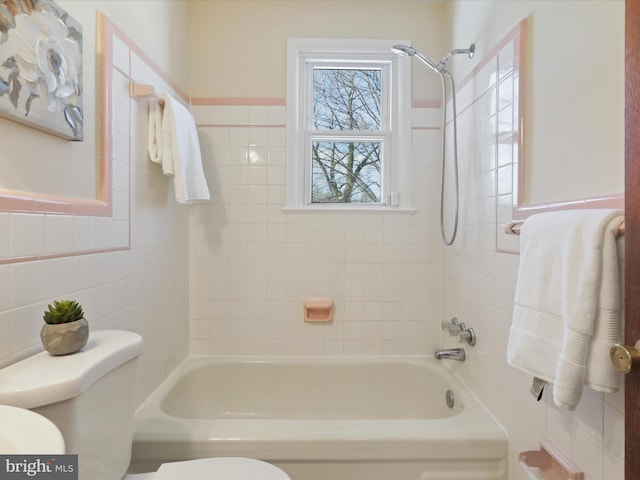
(147,60)
(247,125)
(50,256)
(517,35)
(240,101)
(522,212)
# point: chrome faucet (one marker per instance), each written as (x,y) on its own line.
(451,354)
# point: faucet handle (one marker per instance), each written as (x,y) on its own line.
(450,324)
(467,336)
(457,329)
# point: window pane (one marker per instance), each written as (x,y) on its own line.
(345,172)
(346,99)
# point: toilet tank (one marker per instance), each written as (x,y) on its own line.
(89,395)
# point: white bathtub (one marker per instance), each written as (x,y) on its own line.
(322,419)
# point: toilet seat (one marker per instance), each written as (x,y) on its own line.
(221,468)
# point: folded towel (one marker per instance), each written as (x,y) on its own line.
(155,133)
(567,302)
(181,155)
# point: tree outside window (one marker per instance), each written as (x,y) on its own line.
(347,102)
(348,126)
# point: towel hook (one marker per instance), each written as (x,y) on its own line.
(141,90)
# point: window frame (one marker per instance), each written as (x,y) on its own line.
(305,53)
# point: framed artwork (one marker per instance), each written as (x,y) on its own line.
(41,67)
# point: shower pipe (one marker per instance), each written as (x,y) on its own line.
(441,69)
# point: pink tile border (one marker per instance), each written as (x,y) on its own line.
(105,62)
(522,212)
(24,202)
(517,33)
(146,59)
(11,260)
(240,101)
(243,125)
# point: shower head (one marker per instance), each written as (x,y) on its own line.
(403,50)
(407,51)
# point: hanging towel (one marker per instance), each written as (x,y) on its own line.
(181,155)
(154,144)
(567,302)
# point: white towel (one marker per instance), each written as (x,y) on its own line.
(567,302)
(181,155)
(154,143)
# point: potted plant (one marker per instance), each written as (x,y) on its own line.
(65,330)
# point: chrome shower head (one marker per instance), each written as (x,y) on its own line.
(403,50)
(407,51)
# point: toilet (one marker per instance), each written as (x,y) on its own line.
(89,396)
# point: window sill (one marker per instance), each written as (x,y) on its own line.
(350,209)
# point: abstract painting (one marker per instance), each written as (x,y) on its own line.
(41,67)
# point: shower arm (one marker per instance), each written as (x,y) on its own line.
(444,61)
(438,67)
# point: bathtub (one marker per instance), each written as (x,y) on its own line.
(322,419)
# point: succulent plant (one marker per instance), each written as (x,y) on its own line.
(63,311)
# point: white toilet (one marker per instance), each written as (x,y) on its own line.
(89,396)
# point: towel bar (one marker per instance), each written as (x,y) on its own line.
(141,90)
(513,228)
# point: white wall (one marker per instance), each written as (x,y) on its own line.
(575,101)
(238,48)
(144,289)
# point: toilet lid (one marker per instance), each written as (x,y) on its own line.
(221,468)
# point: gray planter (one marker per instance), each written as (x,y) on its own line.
(65,338)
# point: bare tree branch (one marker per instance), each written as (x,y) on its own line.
(346,99)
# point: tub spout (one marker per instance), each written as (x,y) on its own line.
(451,354)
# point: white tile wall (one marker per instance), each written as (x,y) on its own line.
(252,265)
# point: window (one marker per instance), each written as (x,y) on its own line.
(348,126)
